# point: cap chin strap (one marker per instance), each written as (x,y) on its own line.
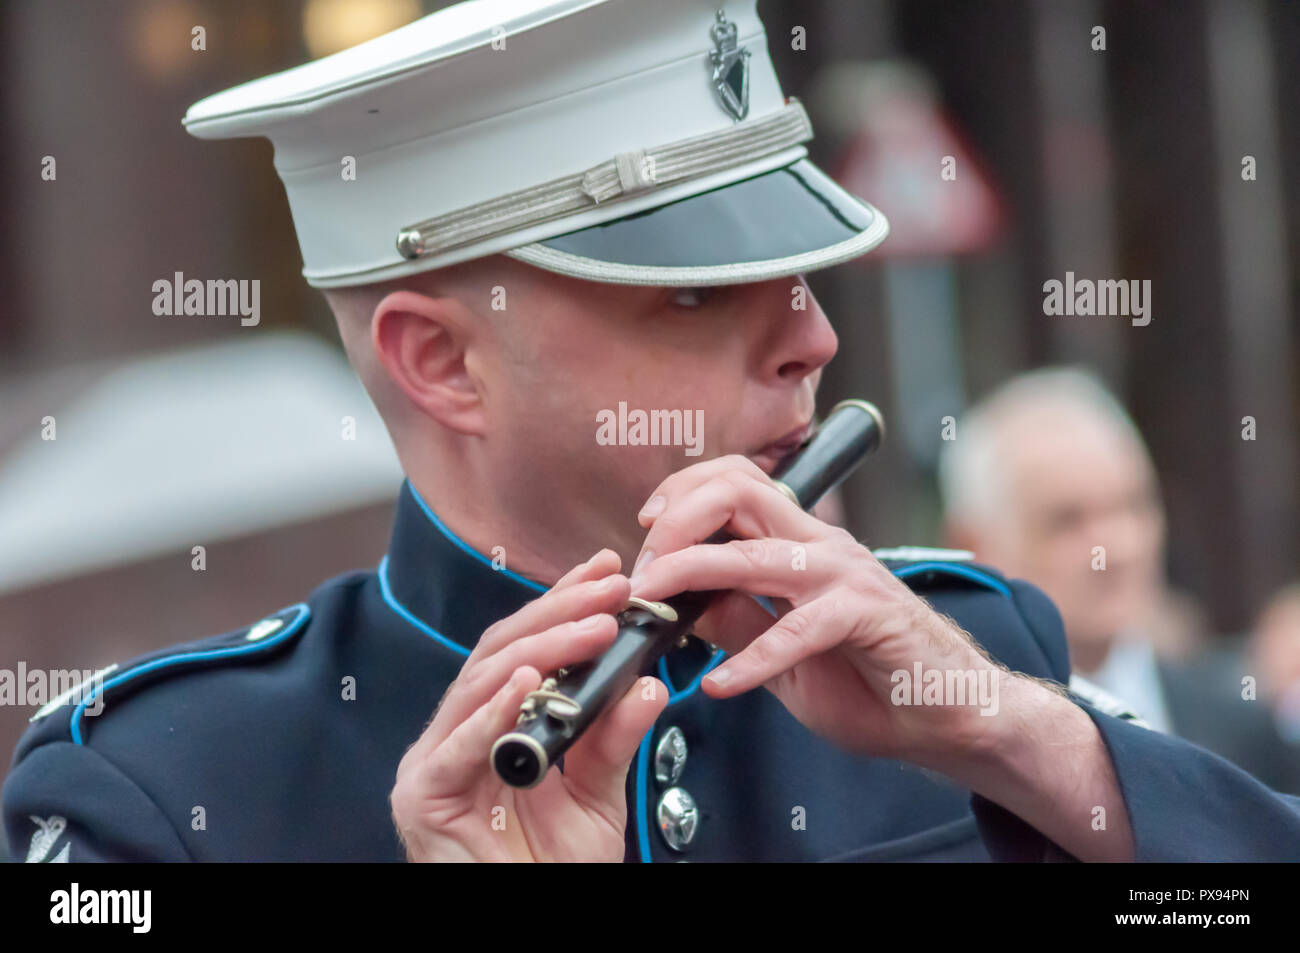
(625,175)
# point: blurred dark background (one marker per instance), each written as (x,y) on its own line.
(1120,162)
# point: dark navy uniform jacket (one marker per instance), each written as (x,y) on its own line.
(280,741)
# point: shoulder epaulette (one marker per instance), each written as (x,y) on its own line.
(1104,701)
(913,554)
(244,643)
(925,566)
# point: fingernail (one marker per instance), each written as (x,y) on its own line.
(589,624)
(654,506)
(720,676)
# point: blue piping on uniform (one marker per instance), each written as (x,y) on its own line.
(763,601)
(674,696)
(955,569)
(303,614)
(468,549)
(642,826)
(386,591)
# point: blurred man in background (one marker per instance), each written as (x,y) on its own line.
(1050,479)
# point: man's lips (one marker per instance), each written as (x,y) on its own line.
(769,456)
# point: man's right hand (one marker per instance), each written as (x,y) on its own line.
(448,803)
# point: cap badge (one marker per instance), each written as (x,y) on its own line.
(730,68)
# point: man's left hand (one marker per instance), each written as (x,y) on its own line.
(849,622)
(845,625)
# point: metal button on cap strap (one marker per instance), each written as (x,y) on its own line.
(678,818)
(670,756)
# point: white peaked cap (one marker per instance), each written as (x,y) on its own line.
(623,141)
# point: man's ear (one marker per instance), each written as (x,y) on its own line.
(422,342)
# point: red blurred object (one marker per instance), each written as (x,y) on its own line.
(908,160)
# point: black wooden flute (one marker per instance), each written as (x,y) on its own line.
(564,706)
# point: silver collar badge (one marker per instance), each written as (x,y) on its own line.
(730,68)
(48,832)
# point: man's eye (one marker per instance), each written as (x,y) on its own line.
(691,297)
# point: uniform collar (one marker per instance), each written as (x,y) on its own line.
(442,585)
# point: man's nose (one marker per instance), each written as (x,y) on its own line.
(801,340)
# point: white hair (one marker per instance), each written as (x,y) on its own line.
(972,472)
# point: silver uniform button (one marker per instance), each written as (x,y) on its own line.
(670,756)
(263,629)
(678,818)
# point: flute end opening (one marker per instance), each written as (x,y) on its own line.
(519,760)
